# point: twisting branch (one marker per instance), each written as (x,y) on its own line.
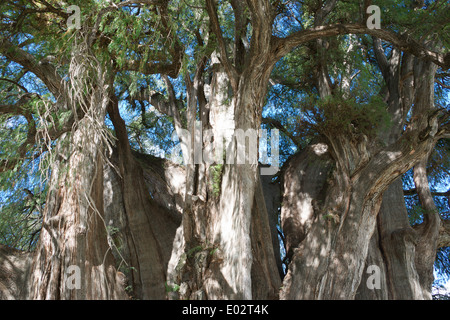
(172,103)
(278,125)
(282,46)
(18,109)
(44,71)
(215,25)
(15,83)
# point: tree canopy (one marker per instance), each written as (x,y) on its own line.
(329,75)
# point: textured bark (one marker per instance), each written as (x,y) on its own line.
(272,198)
(266,279)
(398,240)
(428,230)
(366,290)
(219,210)
(224,247)
(363,171)
(327,264)
(14,273)
(150,226)
(74,232)
(164,190)
(304,188)
(330,261)
(409,253)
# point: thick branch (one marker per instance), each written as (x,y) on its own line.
(382,61)
(215,25)
(323,12)
(431,216)
(428,230)
(44,71)
(278,125)
(282,46)
(19,110)
(240,29)
(174,112)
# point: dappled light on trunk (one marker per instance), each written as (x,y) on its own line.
(223,150)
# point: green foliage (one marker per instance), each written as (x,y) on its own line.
(191,252)
(336,115)
(136,34)
(20,211)
(22,196)
(174,288)
(216,176)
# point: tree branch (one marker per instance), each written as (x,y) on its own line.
(215,26)
(240,29)
(18,109)
(413,192)
(323,12)
(278,125)
(173,109)
(171,69)
(282,46)
(44,71)
(442,84)
(382,61)
(431,217)
(15,83)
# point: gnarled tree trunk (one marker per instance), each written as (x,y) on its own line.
(332,255)
(73,258)
(14,273)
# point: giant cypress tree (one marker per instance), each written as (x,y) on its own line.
(78,68)
(201,230)
(405,256)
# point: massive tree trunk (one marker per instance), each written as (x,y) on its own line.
(407,253)
(224,248)
(150,227)
(228,252)
(323,247)
(330,259)
(73,258)
(394,253)
(99,218)
(15,267)
(225,211)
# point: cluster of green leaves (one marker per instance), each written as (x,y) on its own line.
(216,172)
(13,132)
(151,133)
(337,115)
(133,35)
(22,200)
